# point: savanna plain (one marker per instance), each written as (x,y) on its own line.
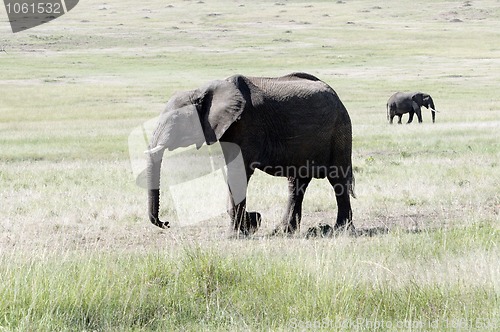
(77,252)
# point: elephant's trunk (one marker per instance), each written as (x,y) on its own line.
(155,157)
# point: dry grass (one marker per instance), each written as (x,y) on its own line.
(77,251)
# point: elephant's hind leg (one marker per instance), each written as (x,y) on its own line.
(342,190)
(293,214)
(392,114)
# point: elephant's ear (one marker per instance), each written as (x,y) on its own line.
(418,98)
(428,102)
(221,104)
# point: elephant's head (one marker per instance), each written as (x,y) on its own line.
(423,99)
(192,117)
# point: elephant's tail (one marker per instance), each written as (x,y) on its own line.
(351,183)
(388,116)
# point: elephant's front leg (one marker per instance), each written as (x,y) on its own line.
(243,222)
(417,110)
(410,119)
(293,213)
(238,176)
(419,115)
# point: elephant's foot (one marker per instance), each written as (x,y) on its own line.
(249,225)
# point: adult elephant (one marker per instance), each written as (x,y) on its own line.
(409,102)
(293,126)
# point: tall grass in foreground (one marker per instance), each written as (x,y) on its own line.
(433,279)
(77,252)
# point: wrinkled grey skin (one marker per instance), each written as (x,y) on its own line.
(409,102)
(291,122)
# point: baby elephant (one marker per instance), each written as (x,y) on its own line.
(409,102)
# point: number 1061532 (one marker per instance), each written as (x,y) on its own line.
(34,8)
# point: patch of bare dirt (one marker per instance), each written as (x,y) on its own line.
(465,12)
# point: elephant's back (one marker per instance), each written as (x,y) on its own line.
(290,120)
(400,96)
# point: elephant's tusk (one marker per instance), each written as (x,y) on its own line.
(433,110)
(154,150)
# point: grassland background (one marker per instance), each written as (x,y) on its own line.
(77,251)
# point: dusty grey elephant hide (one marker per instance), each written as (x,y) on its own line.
(293,126)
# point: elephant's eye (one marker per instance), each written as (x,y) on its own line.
(196,102)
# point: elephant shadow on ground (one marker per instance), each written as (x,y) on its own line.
(325,230)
